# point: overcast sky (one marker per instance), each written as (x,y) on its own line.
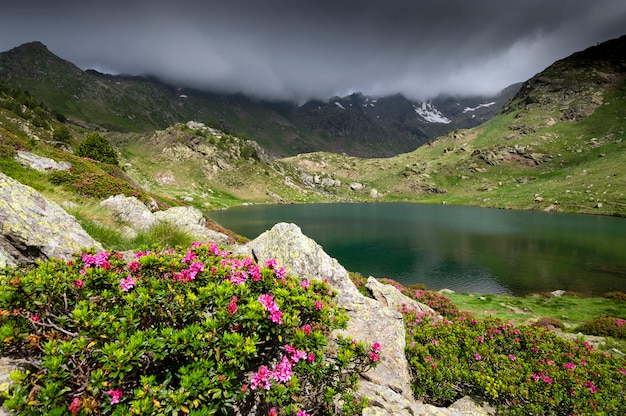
(292,49)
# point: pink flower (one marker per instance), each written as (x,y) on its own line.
(271,306)
(512,357)
(195,268)
(374,357)
(569,366)
(477,357)
(127,283)
(622,370)
(535,377)
(133,266)
(238,277)
(301,413)
(116,395)
(271,263)
(272,412)
(280,272)
(435,342)
(428,359)
(547,380)
(35,318)
(189,257)
(319,305)
(376,347)
(78,283)
(298,355)
(255,272)
(232,306)
(481,339)
(74,408)
(310,358)
(304,284)
(283,370)
(268,302)
(592,387)
(276,317)
(306,329)
(261,379)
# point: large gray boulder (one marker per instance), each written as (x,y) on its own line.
(388,386)
(131,211)
(40,163)
(34,228)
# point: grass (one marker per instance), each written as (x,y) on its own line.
(101,225)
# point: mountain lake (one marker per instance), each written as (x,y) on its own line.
(466,249)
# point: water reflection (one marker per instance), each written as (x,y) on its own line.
(466,249)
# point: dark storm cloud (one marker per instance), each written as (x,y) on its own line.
(304,49)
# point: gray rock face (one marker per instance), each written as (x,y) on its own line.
(40,163)
(130,210)
(392,298)
(387,386)
(33,228)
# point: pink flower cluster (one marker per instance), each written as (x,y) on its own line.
(283,371)
(187,275)
(74,407)
(271,306)
(232,306)
(541,376)
(100,259)
(116,395)
(278,271)
(242,270)
(374,353)
(127,283)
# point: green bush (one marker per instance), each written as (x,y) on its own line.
(97,147)
(549,323)
(521,370)
(194,332)
(62,134)
(615,295)
(606,327)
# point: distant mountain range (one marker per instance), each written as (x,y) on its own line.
(355,125)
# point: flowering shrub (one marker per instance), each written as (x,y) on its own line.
(549,323)
(95,185)
(606,326)
(168,332)
(520,370)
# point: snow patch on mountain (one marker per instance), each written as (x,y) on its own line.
(429,113)
(469,109)
(338,104)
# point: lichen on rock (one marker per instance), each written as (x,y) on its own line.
(34,228)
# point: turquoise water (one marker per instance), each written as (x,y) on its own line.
(466,249)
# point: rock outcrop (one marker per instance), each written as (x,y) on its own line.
(138,217)
(40,163)
(130,210)
(34,228)
(388,386)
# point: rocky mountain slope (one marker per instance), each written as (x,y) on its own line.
(355,125)
(558,145)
